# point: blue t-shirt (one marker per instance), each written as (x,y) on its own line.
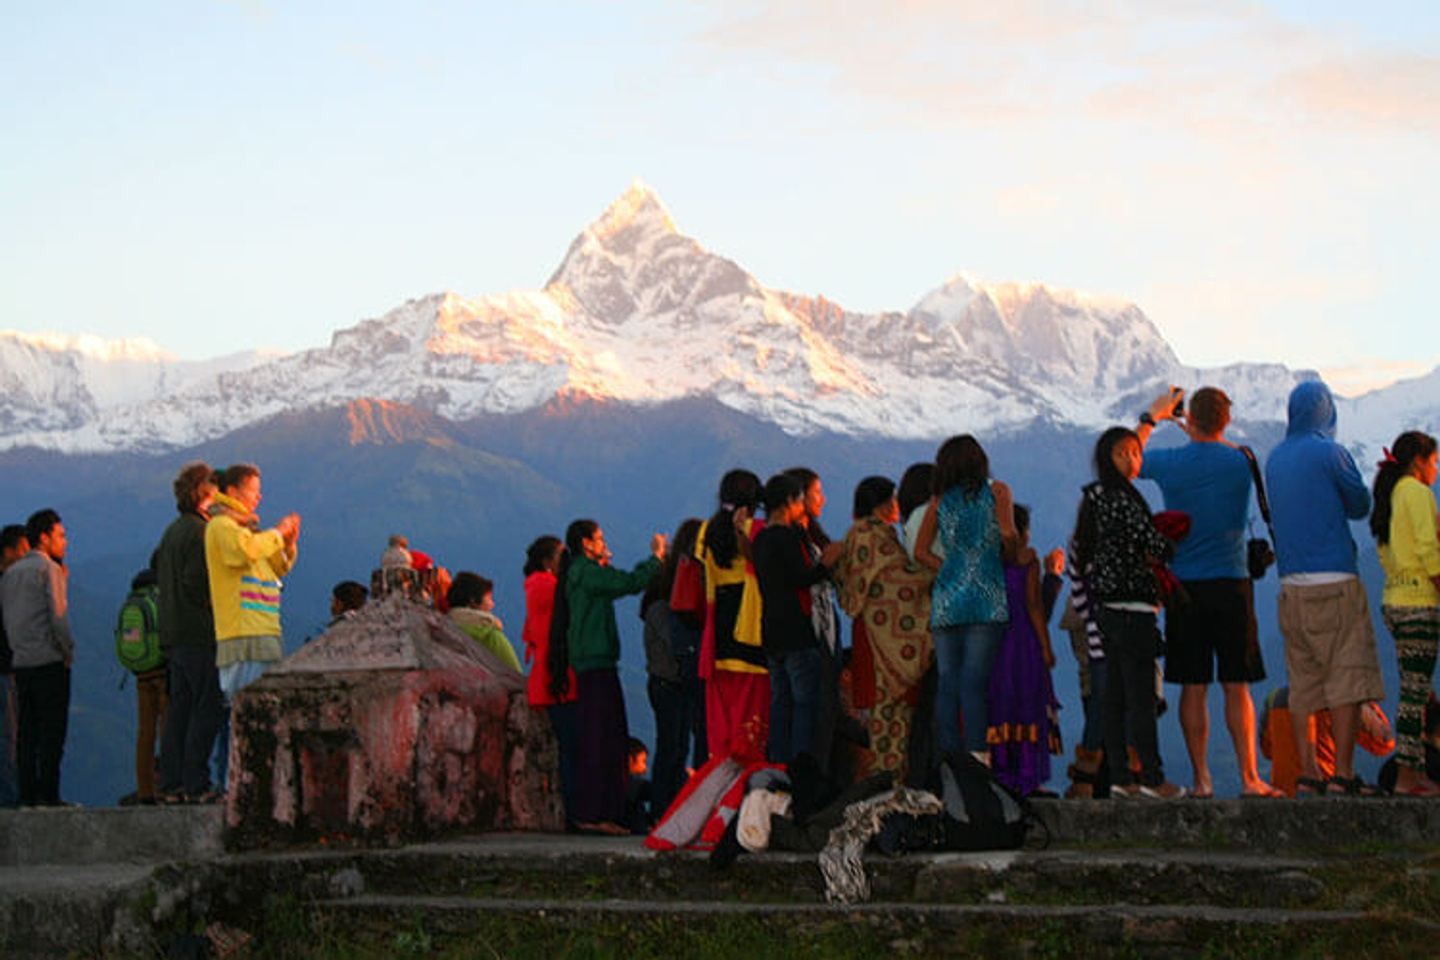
(1210,482)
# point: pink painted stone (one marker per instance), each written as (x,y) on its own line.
(392,725)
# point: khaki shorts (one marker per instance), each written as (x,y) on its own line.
(1329,645)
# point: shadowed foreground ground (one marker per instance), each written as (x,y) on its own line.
(1185,879)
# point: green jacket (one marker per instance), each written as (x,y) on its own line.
(592,591)
(485,629)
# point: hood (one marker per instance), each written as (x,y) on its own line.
(1312,410)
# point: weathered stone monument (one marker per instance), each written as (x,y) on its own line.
(393,725)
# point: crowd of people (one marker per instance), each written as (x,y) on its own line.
(949,607)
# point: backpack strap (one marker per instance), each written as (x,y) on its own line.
(1260,496)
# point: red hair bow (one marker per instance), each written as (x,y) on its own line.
(1389,460)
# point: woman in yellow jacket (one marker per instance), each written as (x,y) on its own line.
(245,565)
(1404,525)
(732,663)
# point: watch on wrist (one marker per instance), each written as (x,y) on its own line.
(1147,419)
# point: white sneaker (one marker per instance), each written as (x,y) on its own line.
(1164,791)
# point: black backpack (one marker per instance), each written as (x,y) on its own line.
(980,812)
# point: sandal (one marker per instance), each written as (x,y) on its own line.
(1309,787)
(1426,789)
(1355,787)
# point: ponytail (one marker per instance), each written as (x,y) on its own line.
(539,553)
(739,489)
(1410,446)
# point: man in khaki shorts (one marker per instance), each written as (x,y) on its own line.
(1315,490)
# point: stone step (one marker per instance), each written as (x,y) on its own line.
(519,866)
(874,928)
(1279,825)
(80,835)
(72,909)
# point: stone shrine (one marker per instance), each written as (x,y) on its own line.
(393,725)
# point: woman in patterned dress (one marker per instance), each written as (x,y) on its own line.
(888,596)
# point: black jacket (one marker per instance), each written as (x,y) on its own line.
(186,617)
(783,571)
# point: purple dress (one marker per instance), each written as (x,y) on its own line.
(1023,710)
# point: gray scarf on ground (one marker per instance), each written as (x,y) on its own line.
(840,861)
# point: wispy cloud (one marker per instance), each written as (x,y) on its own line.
(1222,65)
(1355,379)
(1397,92)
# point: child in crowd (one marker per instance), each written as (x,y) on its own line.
(472,607)
(1277,738)
(1024,723)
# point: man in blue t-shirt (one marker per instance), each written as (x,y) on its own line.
(1213,622)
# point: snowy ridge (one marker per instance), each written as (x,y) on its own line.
(639,312)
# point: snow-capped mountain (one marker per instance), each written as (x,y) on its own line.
(57,385)
(639,312)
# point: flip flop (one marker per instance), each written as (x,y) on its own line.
(1307,788)
(1270,793)
(1424,789)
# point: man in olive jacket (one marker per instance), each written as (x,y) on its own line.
(187,634)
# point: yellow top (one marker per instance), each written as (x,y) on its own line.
(737,572)
(1412,556)
(245,567)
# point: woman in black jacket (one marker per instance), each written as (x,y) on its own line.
(786,570)
(1116,548)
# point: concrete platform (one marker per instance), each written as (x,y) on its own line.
(79,835)
(96,881)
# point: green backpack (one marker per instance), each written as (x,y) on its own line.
(137,632)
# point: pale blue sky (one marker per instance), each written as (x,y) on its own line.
(1260,178)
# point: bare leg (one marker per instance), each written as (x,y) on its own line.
(1304,746)
(1344,724)
(1240,718)
(1195,724)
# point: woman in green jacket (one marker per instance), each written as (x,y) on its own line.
(584,634)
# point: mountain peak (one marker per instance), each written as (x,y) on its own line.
(639,208)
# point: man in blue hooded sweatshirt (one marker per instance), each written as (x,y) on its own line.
(1315,491)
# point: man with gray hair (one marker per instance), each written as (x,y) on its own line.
(1211,622)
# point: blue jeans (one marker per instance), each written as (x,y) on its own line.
(794,703)
(9,773)
(964,655)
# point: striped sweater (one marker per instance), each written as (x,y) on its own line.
(245,567)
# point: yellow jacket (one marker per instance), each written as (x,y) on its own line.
(1412,556)
(740,652)
(245,567)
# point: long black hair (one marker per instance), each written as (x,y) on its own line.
(558,656)
(870,493)
(916,487)
(1410,446)
(961,462)
(812,531)
(683,545)
(539,552)
(1106,472)
(739,489)
(1108,477)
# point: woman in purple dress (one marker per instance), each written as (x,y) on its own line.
(1024,729)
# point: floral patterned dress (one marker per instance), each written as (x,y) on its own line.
(888,595)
